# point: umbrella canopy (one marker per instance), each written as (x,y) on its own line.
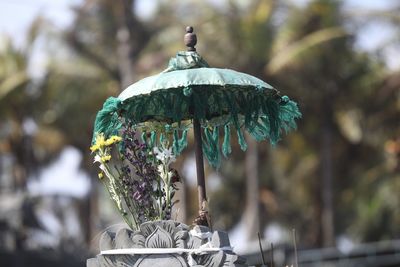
(189,89)
(201,77)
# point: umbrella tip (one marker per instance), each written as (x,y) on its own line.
(190,39)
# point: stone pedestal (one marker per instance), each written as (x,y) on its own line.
(185,247)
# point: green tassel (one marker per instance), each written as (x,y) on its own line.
(265,126)
(183,141)
(216,147)
(147,141)
(144,137)
(153,137)
(257,131)
(175,144)
(288,112)
(107,121)
(241,140)
(187,91)
(232,108)
(211,147)
(179,143)
(226,146)
(162,139)
(271,121)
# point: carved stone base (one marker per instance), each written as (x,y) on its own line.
(167,235)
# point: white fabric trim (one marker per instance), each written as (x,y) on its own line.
(140,251)
(204,235)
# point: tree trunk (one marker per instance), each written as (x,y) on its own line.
(327,222)
(251,215)
(124,43)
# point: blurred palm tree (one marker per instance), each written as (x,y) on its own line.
(339,87)
(15,142)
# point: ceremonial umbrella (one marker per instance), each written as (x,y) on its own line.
(190,93)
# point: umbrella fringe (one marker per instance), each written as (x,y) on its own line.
(199,105)
(107,118)
(265,116)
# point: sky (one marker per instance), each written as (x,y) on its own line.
(62,177)
(16,15)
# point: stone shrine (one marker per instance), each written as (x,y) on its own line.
(165,243)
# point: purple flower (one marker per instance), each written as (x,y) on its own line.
(138,176)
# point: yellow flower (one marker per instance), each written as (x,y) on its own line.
(116,138)
(109,142)
(94,148)
(100,140)
(113,139)
(106,158)
(101,175)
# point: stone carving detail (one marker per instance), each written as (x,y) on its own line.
(166,234)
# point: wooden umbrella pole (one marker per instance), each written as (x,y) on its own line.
(190,40)
(203,218)
(198,150)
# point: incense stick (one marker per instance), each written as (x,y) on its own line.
(296,264)
(261,249)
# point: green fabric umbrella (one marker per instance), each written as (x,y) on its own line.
(188,93)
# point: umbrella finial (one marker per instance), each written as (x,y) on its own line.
(190,39)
